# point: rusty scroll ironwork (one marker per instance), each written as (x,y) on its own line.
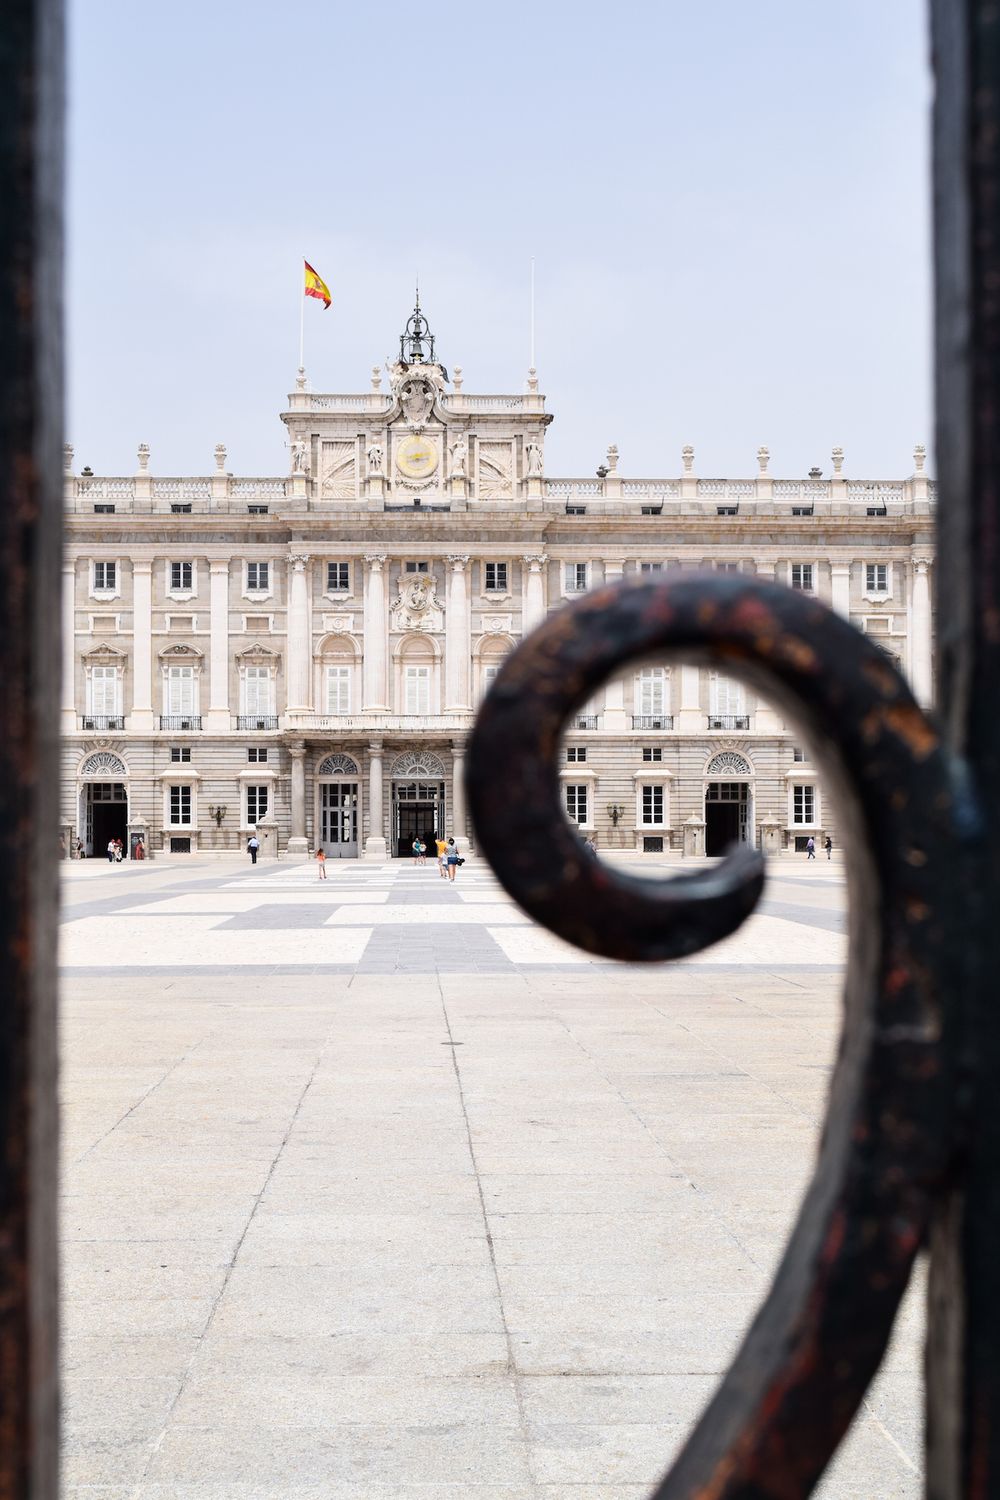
(888,1138)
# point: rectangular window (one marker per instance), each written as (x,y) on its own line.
(876,510)
(258,574)
(802,510)
(104,691)
(181,577)
(180,805)
(576,510)
(256,804)
(105,575)
(652,752)
(727,510)
(798,754)
(496,578)
(338,690)
(802,576)
(258,696)
(652,804)
(650,510)
(104,510)
(180,690)
(180,510)
(256,754)
(416,567)
(876,578)
(803,804)
(576,577)
(647,567)
(576,753)
(652,691)
(180,753)
(417,690)
(490,675)
(576,803)
(257,510)
(726,697)
(727,567)
(338,577)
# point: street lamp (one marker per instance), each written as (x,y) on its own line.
(615,812)
(218,813)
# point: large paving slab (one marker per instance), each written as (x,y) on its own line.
(374,1189)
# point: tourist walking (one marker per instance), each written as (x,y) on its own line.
(253,844)
(828,846)
(321,863)
(418,850)
(452,859)
(442,857)
(111,851)
(810,848)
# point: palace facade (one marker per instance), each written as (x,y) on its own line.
(302,656)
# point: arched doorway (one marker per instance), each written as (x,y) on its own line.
(728,802)
(418,805)
(337,806)
(103,802)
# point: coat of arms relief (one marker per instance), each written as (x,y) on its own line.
(417,606)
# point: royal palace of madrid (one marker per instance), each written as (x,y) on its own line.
(302,656)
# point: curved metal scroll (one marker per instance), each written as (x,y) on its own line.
(817,1341)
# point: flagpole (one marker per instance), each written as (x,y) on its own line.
(531,360)
(302,327)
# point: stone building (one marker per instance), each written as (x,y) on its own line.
(303,655)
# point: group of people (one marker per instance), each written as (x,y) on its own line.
(116,851)
(811,847)
(448,858)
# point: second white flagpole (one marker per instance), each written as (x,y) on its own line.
(302,322)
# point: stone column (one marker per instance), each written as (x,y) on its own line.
(690,719)
(375,699)
(298,847)
(767,720)
(921,672)
(375,845)
(840,573)
(68,698)
(142,720)
(218,707)
(458,813)
(533,597)
(298,668)
(616,719)
(457,640)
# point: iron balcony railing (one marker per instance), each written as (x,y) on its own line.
(180,721)
(102,721)
(584,721)
(729,721)
(652,721)
(256,721)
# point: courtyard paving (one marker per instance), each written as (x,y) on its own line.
(375,1189)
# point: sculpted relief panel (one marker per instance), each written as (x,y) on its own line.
(339,471)
(496,471)
(416,607)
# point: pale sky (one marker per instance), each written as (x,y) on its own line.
(728,206)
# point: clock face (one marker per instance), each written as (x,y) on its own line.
(416,457)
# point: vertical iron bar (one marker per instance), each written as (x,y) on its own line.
(31,190)
(963,1355)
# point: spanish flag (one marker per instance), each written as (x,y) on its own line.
(316,286)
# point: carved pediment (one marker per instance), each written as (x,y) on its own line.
(103,655)
(257,654)
(181,654)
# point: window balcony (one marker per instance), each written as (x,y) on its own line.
(652,721)
(102,721)
(729,721)
(256,721)
(584,721)
(180,721)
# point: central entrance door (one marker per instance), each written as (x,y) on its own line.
(338,819)
(105,816)
(727,815)
(419,809)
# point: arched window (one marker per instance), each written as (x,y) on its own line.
(417,676)
(338,685)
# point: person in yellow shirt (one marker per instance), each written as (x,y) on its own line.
(442,857)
